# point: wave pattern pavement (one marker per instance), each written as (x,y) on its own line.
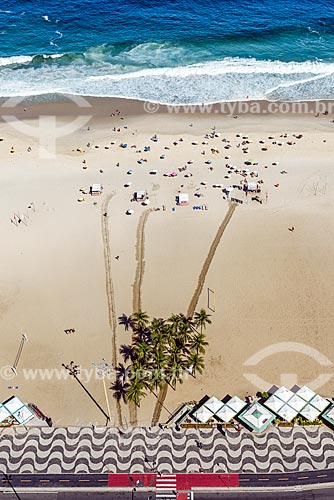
(98,449)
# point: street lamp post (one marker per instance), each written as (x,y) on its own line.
(104,369)
(74,371)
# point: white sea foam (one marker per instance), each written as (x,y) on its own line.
(5,61)
(225,80)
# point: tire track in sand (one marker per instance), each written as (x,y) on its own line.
(112,317)
(140,254)
(194,300)
(136,300)
(209,259)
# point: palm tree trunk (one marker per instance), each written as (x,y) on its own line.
(119,413)
(133,413)
(159,404)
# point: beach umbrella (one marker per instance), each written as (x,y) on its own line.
(214,404)
(236,404)
(129,211)
(306,393)
(203,414)
(319,402)
(283,393)
(229,189)
(287,413)
(274,403)
(310,412)
(297,402)
(225,413)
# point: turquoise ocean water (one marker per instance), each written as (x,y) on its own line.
(175,51)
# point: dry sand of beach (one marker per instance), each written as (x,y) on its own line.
(270,285)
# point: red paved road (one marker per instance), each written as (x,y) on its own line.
(188,481)
(184,481)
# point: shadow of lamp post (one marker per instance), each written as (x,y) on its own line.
(74,371)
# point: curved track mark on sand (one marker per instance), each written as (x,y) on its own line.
(136,301)
(208,260)
(140,254)
(112,317)
(194,300)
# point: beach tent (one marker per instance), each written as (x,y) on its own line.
(236,404)
(329,415)
(182,199)
(203,414)
(297,402)
(225,413)
(257,417)
(287,413)
(251,186)
(18,410)
(283,393)
(319,402)
(95,189)
(140,195)
(306,393)
(214,404)
(4,413)
(274,403)
(310,412)
(23,415)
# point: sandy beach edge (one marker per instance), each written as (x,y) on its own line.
(31,107)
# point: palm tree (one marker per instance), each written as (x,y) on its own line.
(143,352)
(175,373)
(140,320)
(127,352)
(120,389)
(158,365)
(175,365)
(135,391)
(126,321)
(198,343)
(202,319)
(123,373)
(195,363)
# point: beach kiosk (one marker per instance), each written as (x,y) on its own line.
(140,196)
(251,187)
(95,189)
(182,199)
